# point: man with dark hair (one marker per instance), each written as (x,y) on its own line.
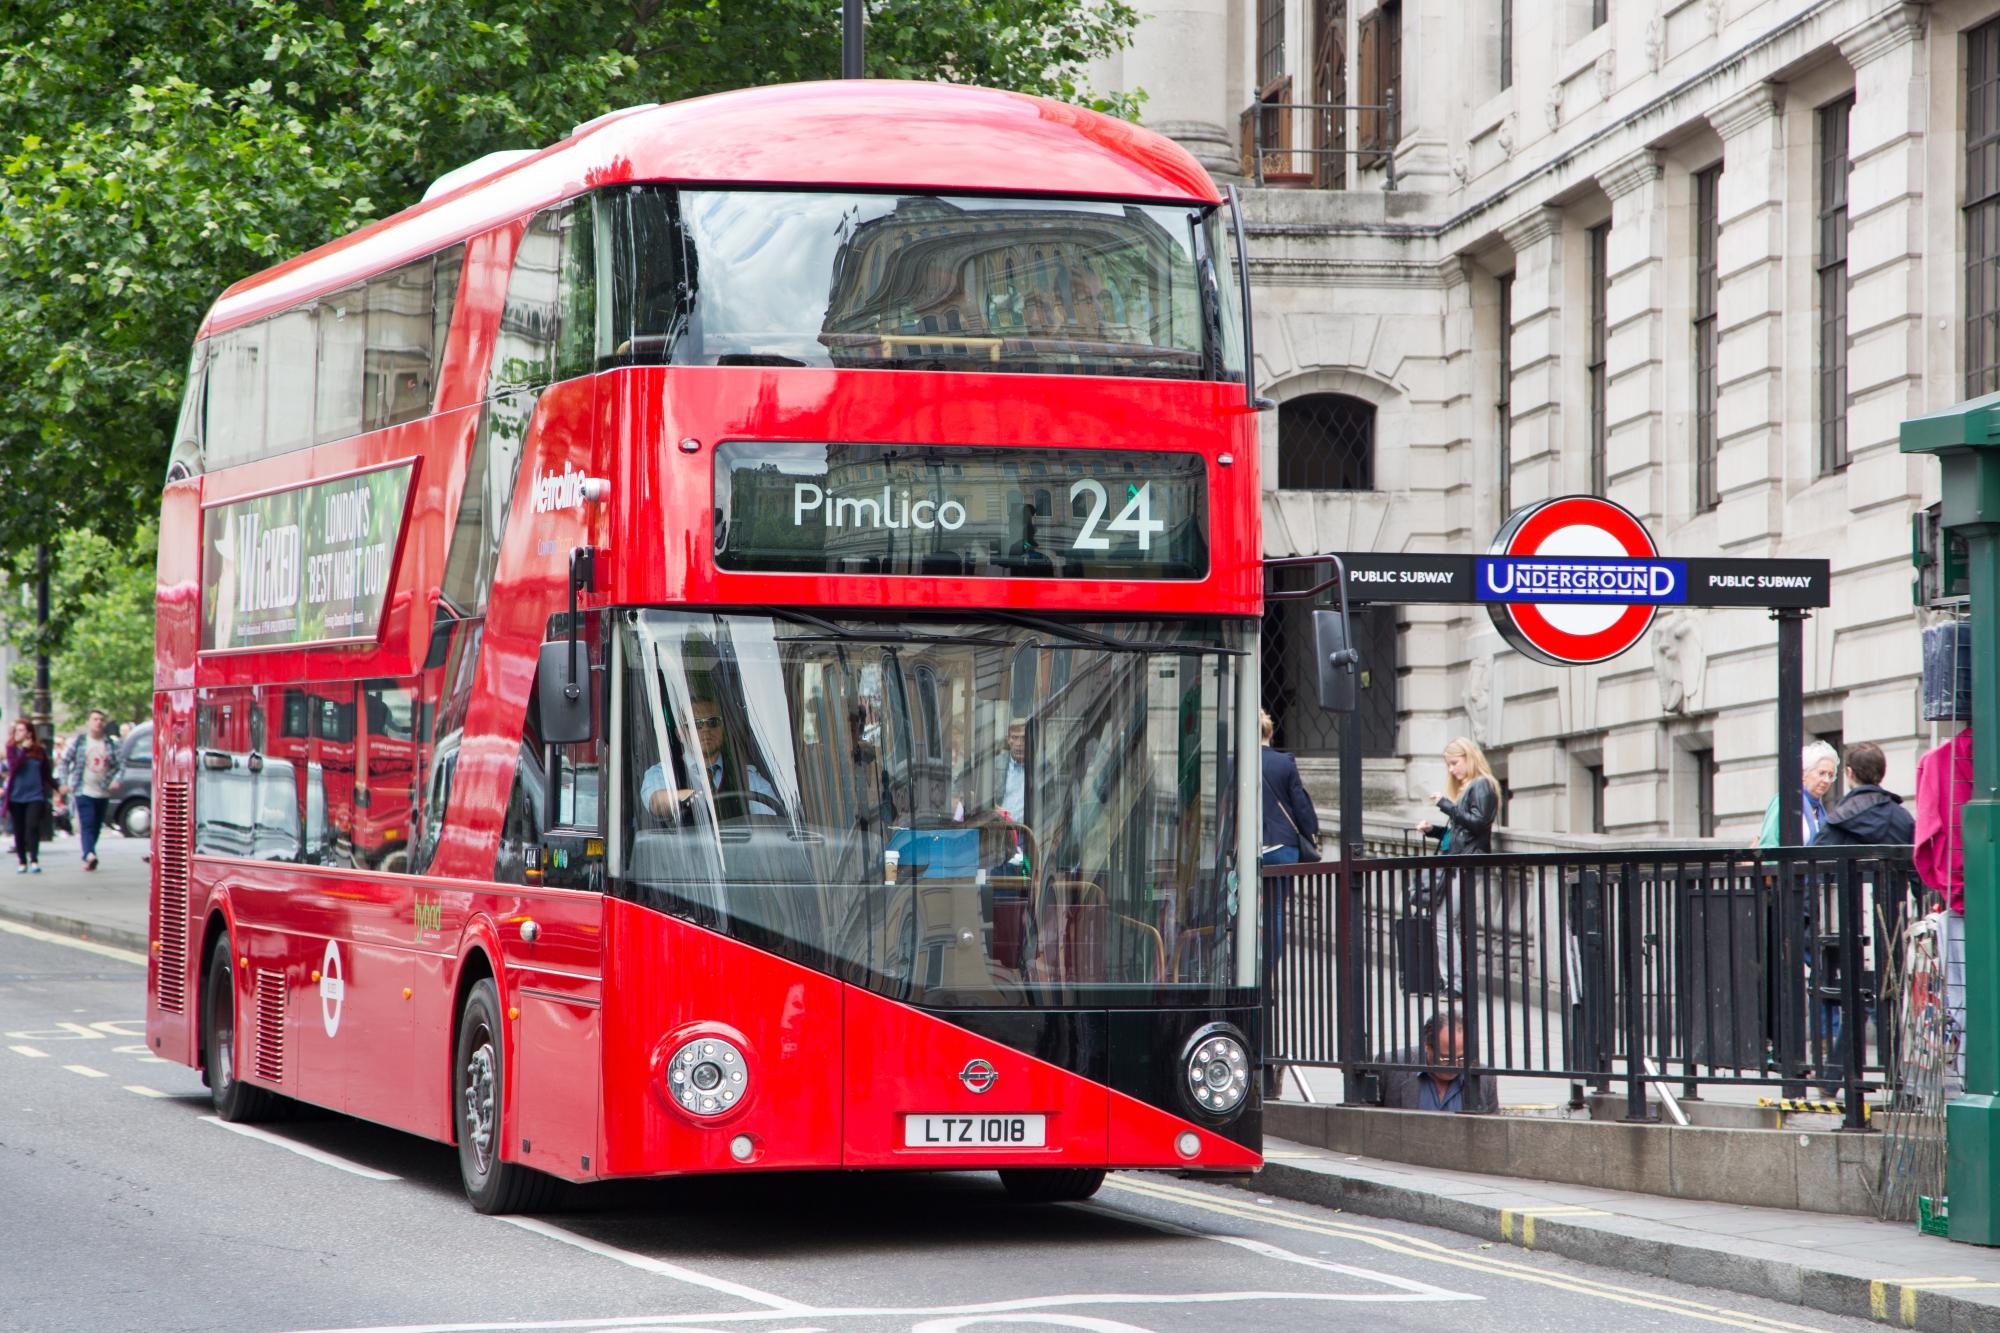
(1869,814)
(1443,1084)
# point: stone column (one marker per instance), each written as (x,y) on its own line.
(1885,250)
(1536,396)
(1750,320)
(1635,333)
(1179,56)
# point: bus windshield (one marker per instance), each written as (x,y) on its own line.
(920,282)
(952,814)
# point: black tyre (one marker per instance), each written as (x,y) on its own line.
(479,1080)
(235,1101)
(1058,1184)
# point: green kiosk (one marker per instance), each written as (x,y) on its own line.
(1966,440)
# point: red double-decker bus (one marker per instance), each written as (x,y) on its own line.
(729,644)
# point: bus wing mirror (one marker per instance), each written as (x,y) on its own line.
(562,692)
(1339,664)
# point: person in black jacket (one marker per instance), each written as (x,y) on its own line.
(1470,803)
(1290,824)
(1868,814)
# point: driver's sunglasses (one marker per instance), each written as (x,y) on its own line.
(713,720)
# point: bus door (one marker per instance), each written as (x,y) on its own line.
(554,949)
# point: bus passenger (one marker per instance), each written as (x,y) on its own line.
(725,775)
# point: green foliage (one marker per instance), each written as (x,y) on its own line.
(151,154)
(102,650)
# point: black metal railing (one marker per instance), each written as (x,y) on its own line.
(1689,966)
(1279,136)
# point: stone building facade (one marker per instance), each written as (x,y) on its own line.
(1699,256)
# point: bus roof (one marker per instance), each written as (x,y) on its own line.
(873,134)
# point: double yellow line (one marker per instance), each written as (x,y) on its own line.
(1431,1252)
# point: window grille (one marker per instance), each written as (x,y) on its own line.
(1326,442)
(1834,169)
(1982,209)
(1707,231)
(1270,40)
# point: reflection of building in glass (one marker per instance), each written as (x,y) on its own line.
(975,279)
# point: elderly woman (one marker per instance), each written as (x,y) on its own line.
(1818,766)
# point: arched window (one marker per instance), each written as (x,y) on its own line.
(1326,442)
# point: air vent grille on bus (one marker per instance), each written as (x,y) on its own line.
(172,865)
(270,1025)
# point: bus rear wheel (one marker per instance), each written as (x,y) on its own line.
(479,1081)
(235,1101)
(1057,1184)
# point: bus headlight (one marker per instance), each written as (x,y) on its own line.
(1218,1070)
(707,1076)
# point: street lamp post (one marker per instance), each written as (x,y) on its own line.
(1966,441)
(851,63)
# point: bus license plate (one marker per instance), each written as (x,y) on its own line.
(975,1131)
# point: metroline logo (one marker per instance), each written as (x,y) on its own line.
(559,492)
(1575,580)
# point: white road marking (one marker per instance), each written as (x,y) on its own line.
(88,946)
(144,1091)
(1422,1291)
(1024,1305)
(86,1071)
(310,1154)
(647,1264)
(30,1052)
(62,1031)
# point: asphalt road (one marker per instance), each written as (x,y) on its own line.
(124,1205)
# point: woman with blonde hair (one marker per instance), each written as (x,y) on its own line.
(1470,802)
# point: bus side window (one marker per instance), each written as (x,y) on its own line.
(330,718)
(524,353)
(224,806)
(385,799)
(576,769)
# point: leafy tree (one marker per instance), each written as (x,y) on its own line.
(102,653)
(151,154)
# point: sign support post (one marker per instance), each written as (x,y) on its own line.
(1966,441)
(1792,943)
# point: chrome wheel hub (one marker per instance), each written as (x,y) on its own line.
(480,1094)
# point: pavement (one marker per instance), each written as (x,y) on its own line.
(107,905)
(1838,1265)
(1849,1266)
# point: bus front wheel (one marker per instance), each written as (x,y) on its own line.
(1051,1184)
(235,1101)
(479,1081)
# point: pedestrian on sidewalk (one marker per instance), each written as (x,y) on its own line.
(1291,825)
(1867,814)
(1818,767)
(89,767)
(1470,803)
(31,782)
(1442,1084)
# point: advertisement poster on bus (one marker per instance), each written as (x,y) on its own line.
(311,564)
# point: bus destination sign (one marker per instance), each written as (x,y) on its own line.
(308,565)
(966,511)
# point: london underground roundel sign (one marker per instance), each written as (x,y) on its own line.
(1575,580)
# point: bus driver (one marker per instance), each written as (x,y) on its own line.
(725,774)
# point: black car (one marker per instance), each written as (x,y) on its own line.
(131,808)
